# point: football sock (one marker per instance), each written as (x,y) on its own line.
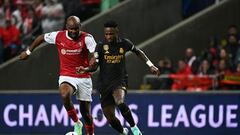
(115,123)
(89,129)
(126,113)
(72,113)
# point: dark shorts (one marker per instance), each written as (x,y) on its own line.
(107,98)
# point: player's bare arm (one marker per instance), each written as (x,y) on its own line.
(24,55)
(143,57)
(93,65)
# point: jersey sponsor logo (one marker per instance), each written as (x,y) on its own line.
(71,52)
(113,58)
(63,51)
(121,50)
(106,48)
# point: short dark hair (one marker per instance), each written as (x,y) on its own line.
(110,23)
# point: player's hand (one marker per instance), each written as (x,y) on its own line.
(80,70)
(23,56)
(155,70)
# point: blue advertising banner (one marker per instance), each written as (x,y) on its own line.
(155,113)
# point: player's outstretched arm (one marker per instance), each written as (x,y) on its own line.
(24,55)
(93,65)
(143,56)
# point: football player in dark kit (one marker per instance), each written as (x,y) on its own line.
(112,81)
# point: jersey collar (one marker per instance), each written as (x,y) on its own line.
(70,37)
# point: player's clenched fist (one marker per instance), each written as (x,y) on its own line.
(80,70)
(24,55)
(155,70)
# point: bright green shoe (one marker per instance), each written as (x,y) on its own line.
(136,131)
(78,128)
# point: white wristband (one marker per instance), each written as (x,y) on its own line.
(149,63)
(28,52)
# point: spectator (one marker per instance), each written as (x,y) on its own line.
(205,68)
(11,40)
(211,53)
(238,69)
(223,68)
(223,55)
(166,68)
(38,7)
(20,13)
(237,59)
(232,47)
(8,8)
(2,14)
(30,22)
(53,16)
(183,71)
(232,30)
(191,60)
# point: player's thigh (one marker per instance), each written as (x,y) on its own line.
(84,92)
(66,89)
(67,85)
(85,106)
(109,111)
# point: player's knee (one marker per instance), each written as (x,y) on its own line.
(119,101)
(65,95)
(65,92)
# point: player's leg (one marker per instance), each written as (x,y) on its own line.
(66,91)
(109,113)
(119,95)
(67,87)
(85,109)
(84,96)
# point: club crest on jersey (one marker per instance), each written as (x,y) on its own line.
(121,50)
(106,48)
(63,51)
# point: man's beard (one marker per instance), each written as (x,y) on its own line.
(74,36)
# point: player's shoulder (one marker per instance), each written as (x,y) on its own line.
(126,40)
(100,43)
(87,34)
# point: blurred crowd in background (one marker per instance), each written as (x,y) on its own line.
(216,67)
(22,20)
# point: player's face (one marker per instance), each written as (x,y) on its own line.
(110,34)
(73,31)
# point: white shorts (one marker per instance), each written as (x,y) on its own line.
(83,87)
